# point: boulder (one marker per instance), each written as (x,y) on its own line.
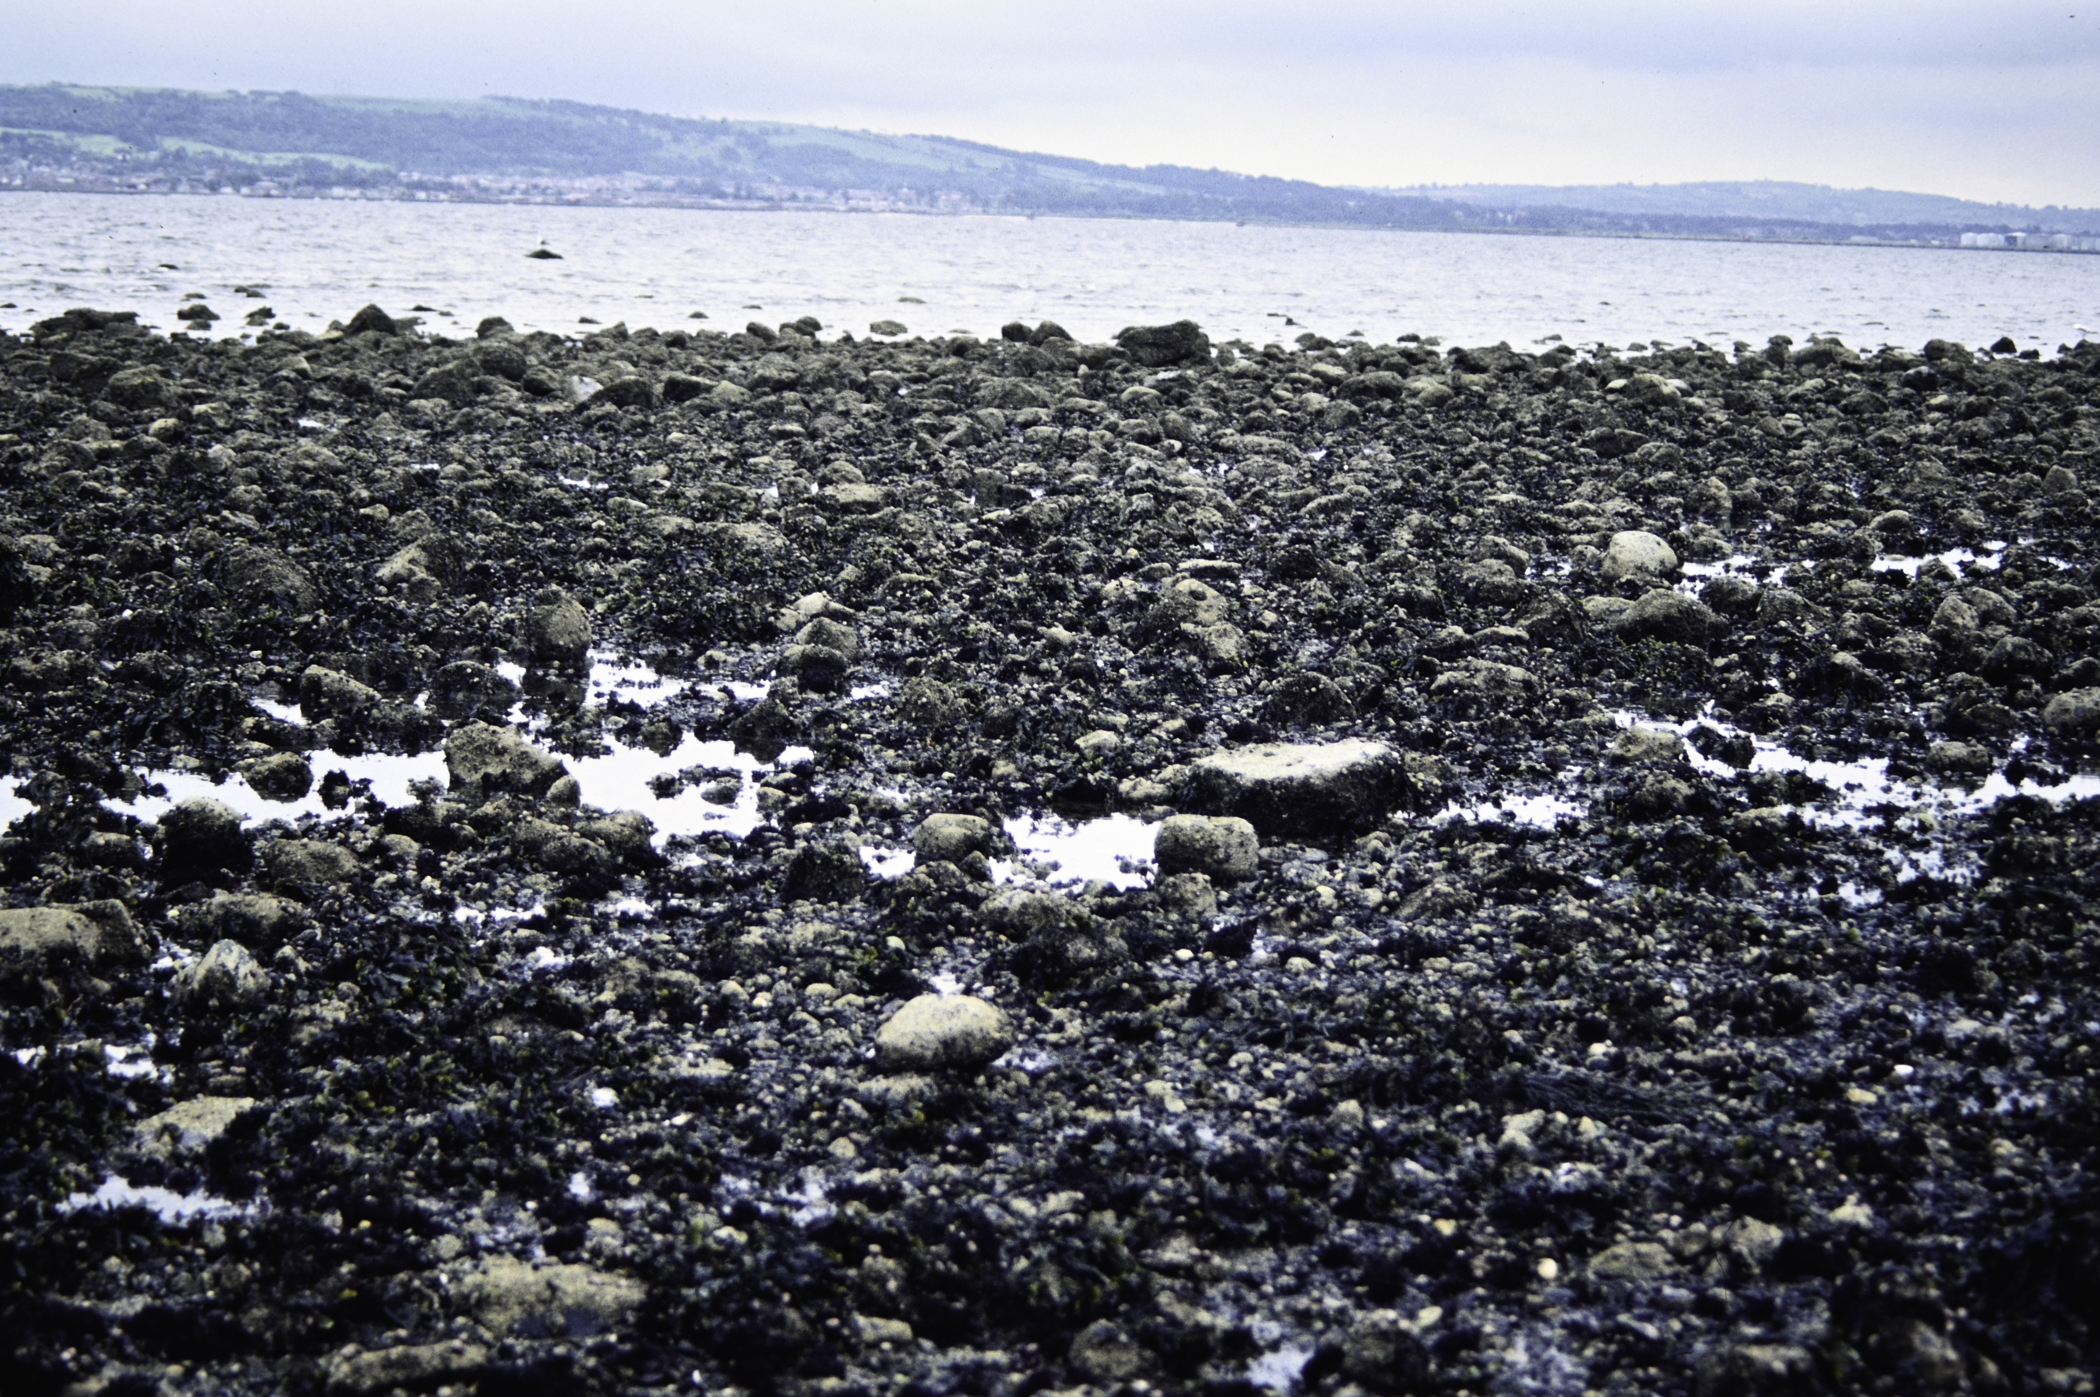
(484,760)
(264,576)
(201,837)
(256,920)
(1157,346)
(308,863)
(943,1032)
(328,693)
(1664,614)
(1639,554)
(1317,789)
(38,940)
(410,1367)
(825,871)
(2073,713)
(226,977)
(557,630)
(1757,1370)
(372,318)
(284,777)
(510,1296)
(1224,848)
(954,838)
(188,1126)
(139,388)
(1647,747)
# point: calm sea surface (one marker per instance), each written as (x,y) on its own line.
(318,261)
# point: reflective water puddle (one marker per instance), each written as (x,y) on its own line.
(165,1203)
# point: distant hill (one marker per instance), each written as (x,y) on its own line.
(136,140)
(1811,203)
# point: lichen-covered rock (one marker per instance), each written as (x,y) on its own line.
(516,1297)
(484,760)
(1224,848)
(943,1033)
(1302,788)
(1638,553)
(226,976)
(91,935)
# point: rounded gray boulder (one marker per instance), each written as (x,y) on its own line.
(943,1032)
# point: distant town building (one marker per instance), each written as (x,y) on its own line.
(2033,242)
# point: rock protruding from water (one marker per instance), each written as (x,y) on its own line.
(557,630)
(1309,789)
(1224,848)
(953,838)
(943,1033)
(484,760)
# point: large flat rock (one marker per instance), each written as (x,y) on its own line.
(1309,789)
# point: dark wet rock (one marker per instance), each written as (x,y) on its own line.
(1555,997)
(557,629)
(484,760)
(1663,614)
(2075,713)
(285,777)
(308,863)
(549,846)
(1477,687)
(469,688)
(953,837)
(826,871)
(328,693)
(371,319)
(256,920)
(1308,698)
(202,837)
(1160,346)
(1307,789)
(266,577)
(943,1033)
(1224,849)
(44,940)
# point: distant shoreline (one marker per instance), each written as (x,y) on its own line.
(710,205)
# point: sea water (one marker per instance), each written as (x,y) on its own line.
(319,260)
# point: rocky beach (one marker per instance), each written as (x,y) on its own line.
(766,862)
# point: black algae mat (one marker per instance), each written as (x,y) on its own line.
(1603,900)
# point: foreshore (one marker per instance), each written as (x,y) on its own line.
(532,864)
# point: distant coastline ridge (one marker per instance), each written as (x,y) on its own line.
(83,139)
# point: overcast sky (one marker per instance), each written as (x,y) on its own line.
(1990,99)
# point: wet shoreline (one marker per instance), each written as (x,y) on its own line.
(488,817)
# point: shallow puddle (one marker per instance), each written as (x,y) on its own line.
(1544,810)
(12,807)
(165,1203)
(1956,559)
(1115,849)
